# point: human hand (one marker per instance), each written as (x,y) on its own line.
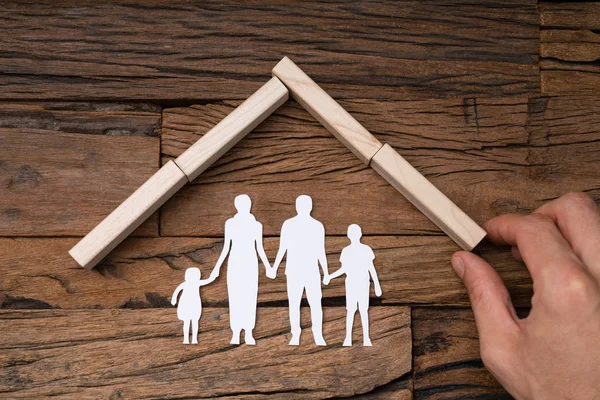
(555,351)
(378,291)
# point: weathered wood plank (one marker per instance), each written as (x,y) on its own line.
(570,48)
(38,273)
(447,364)
(65,166)
(470,149)
(137,353)
(225,50)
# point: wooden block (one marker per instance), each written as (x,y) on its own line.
(327,111)
(427,198)
(232,128)
(129,354)
(128,216)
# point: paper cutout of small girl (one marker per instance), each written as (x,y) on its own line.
(189,309)
(357,264)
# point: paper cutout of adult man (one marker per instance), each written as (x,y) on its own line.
(303,239)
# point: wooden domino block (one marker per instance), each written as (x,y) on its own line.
(327,111)
(232,128)
(128,215)
(427,198)
(171,177)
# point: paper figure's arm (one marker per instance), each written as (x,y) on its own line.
(209,280)
(261,249)
(224,252)
(375,279)
(281,252)
(176,293)
(337,273)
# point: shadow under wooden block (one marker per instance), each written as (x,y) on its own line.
(137,353)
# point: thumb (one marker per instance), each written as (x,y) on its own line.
(494,312)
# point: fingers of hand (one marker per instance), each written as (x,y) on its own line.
(540,244)
(493,309)
(578,219)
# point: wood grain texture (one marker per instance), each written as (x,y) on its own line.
(65,166)
(225,50)
(137,353)
(447,364)
(468,148)
(570,48)
(141,273)
(128,216)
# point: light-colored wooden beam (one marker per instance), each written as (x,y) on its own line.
(389,164)
(427,198)
(175,174)
(327,111)
(232,128)
(128,215)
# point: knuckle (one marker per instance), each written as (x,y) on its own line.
(488,356)
(580,200)
(576,288)
(494,357)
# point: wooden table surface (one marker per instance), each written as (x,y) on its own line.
(496,102)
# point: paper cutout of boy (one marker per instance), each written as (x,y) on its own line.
(357,264)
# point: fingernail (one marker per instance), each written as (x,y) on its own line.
(458,265)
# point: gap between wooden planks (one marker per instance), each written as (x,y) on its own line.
(470,148)
(137,353)
(205,51)
(38,273)
(570,48)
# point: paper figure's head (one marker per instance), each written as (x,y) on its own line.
(354,232)
(243,203)
(303,205)
(192,274)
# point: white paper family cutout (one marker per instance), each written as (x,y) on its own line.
(302,241)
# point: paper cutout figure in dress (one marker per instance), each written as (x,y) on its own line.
(189,309)
(357,264)
(303,239)
(243,239)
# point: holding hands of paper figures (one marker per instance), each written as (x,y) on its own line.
(555,351)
